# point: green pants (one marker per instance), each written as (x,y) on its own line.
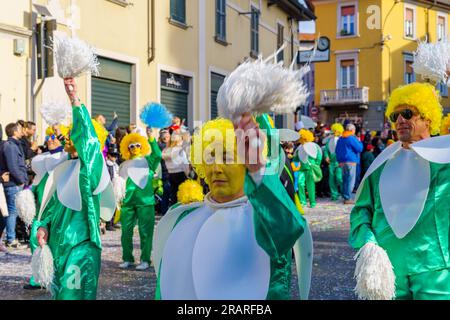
(432,285)
(305,179)
(145,217)
(335,180)
(77,279)
(33,245)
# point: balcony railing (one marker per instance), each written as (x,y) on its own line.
(344,96)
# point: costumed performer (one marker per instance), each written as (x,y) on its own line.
(400,222)
(335,171)
(310,156)
(82,192)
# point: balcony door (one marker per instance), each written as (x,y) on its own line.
(347,74)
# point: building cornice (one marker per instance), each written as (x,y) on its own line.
(20,31)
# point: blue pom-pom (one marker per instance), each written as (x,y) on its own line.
(156,115)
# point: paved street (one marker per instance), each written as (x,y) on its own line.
(332,272)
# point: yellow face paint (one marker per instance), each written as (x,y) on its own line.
(226,181)
(135,152)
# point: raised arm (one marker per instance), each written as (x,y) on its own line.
(83,133)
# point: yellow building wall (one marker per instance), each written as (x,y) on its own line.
(121,33)
(381,68)
(13,82)
(369,56)
(224,59)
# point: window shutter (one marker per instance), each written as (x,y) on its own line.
(348,11)
(409,15)
(347,63)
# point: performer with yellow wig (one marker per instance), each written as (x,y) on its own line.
(335,171)
(400,222)
(77,193)
(142,157)
(310,156)
(237,243)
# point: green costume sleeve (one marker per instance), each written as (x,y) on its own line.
(278,224)
(87,144)
(155,157)
(361,218)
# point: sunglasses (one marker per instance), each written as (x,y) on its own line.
(406,114)
(52,137)
(134,145)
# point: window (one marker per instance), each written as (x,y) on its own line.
(347,74)
(280,41)
(442,88)
(409,22)
(216,81)
(221,16)
(347,21)
(254,32)
(409,71)
(441,28)
(178,11)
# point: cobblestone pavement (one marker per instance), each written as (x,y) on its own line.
(332,272)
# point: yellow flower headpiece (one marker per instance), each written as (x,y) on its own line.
(190,191)
(424,97)
(101,132)
(445,127)
(306,136)
(337,129)
(134,138)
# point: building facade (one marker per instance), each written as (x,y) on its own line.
(372,43)
(176,52)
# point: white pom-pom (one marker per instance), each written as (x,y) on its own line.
(119,186)
(26,206)
(375,278)
(55,113)
(259,87)
(74,57)
(42,266)
(432,60)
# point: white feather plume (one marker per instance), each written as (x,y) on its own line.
(42,266)
(55,113)
(375,278)
(260,87)
(432,60)
(26,206)
(119,186)
(74,57)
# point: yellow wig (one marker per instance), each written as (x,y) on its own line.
(190,191)
(424,97)
(102,133)
(337,129)
(210,132)
(445,128)
(134,138)
(306,136)
(64,130)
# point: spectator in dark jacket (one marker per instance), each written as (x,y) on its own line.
(12,160)
(348,149)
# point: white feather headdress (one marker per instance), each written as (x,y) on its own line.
(55,113)
(432,60)
(261,87)
(74,57)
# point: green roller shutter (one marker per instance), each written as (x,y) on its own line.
(176,102)
(216,82)
(111,91)
(109,96)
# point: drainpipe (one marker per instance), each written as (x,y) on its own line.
(150,34)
